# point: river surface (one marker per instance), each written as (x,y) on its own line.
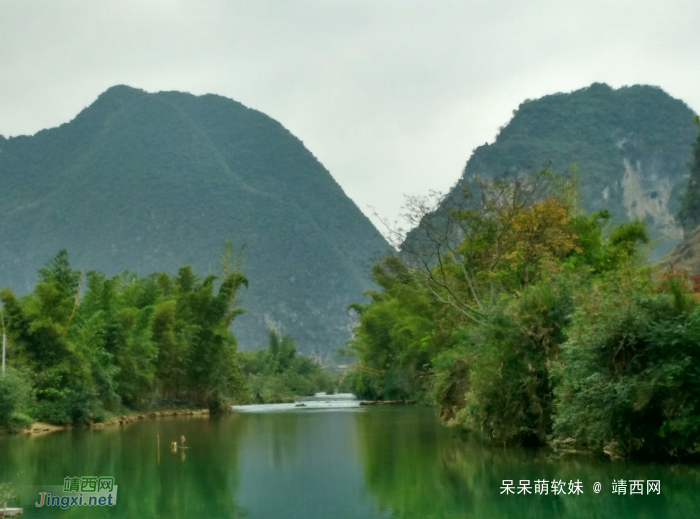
(312,463)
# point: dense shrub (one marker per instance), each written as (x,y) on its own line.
(15,392)
(496,382)
(629,376)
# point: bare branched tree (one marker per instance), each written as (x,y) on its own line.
(457,243)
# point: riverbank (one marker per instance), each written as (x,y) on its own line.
(41,428)
(319,401)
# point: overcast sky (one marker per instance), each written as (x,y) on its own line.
(390,95)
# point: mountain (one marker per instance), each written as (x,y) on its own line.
(686,255)
(153,181)
(631,148)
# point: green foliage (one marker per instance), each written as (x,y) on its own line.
(129,339)
(540,325)
(628,375)
(15,393)
(522,236)
(148,182)
(496,380)
(395,336)
(278,373)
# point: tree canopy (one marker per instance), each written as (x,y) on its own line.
(526,320)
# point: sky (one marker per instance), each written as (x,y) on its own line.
(391,96)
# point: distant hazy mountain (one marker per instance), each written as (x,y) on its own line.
(155,181)
(631,148)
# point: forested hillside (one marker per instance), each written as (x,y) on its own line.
(150,182)
(628,149)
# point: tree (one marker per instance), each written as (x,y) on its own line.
(46,345)
(128,338)
(487,240)
(278,374)
(211,359)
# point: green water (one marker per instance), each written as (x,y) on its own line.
(357,463)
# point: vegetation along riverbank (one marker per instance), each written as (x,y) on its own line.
(85,349)
(527,321)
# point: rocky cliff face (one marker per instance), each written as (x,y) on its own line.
(647,194)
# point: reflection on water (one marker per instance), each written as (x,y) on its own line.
(199,481)
(302,465)
(417,469)
(358,463)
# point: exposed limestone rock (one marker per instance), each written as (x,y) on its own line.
(647,194)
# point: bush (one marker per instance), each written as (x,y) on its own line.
(629,376)
(496,382)
(15,393)
(76,405)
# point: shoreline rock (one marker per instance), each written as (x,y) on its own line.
(39,428)
(388,402)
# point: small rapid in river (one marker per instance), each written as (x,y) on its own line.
(320,401)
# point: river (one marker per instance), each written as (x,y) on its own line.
(346,462)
